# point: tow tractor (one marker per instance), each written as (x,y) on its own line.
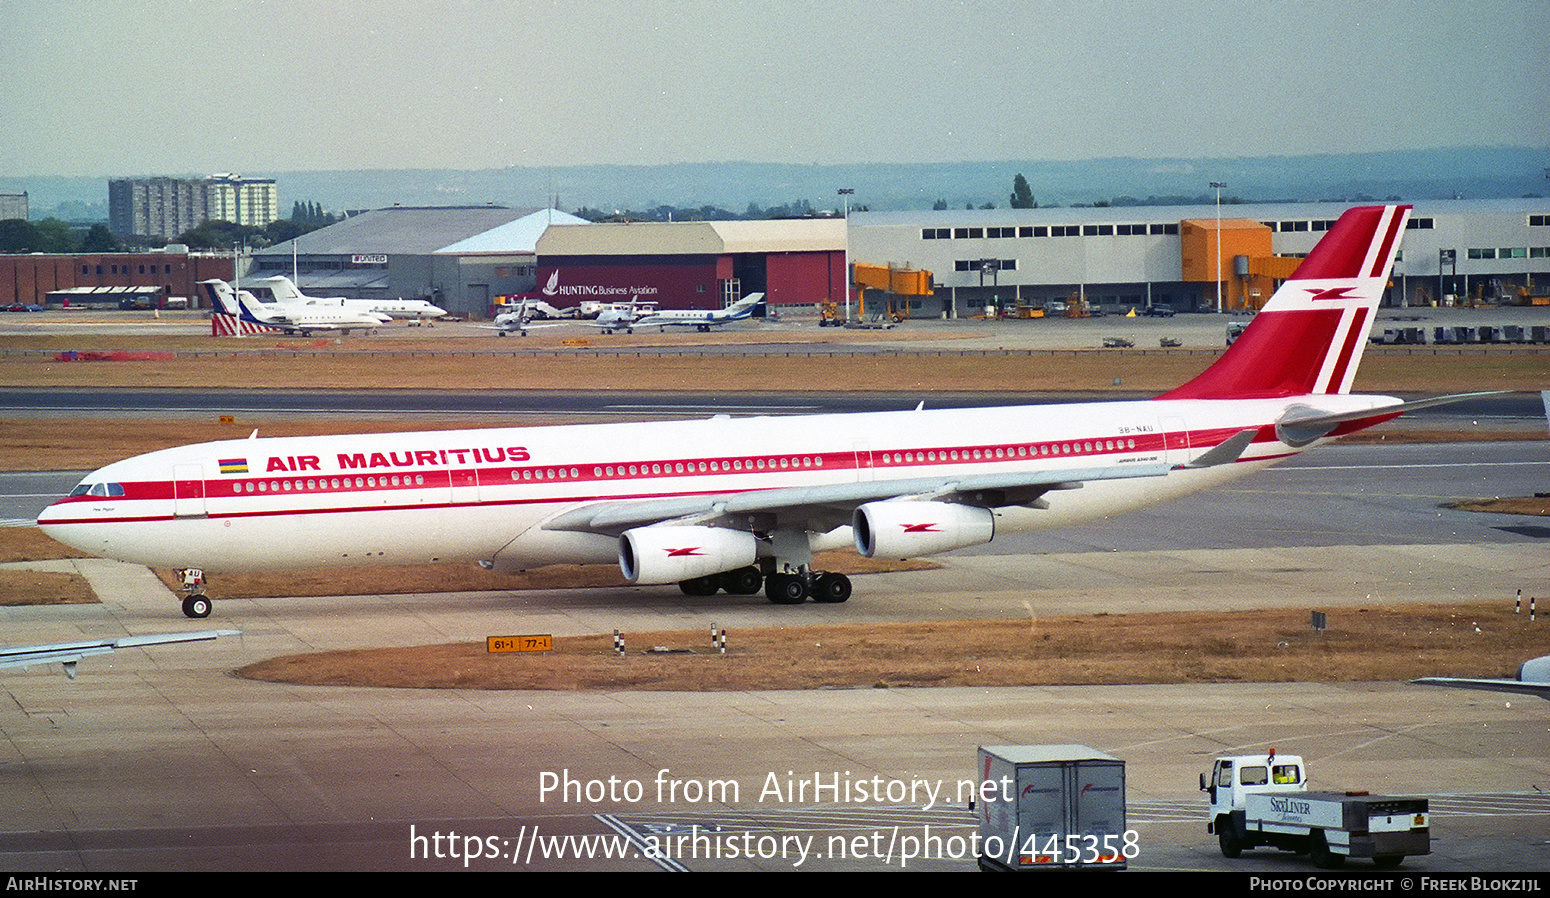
(1264,800)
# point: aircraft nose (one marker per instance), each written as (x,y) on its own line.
(51,515)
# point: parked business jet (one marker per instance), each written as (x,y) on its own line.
(701,319)
(622,316)
(292,318)
(518,319)
(740,503)
(280,290)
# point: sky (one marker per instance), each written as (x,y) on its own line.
(148,87)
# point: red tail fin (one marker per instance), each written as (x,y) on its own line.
(1310,336)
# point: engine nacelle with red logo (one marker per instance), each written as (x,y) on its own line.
(905,529)
(650,555)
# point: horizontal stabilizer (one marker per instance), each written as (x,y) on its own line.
(1301,424)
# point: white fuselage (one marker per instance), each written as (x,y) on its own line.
(483,495)
(279,291)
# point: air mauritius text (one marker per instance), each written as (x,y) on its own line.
(790,788)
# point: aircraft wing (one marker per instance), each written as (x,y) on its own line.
(823,508)
(1533,679)
(69,653)
(1540,689)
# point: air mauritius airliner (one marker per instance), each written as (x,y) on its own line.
(740,504)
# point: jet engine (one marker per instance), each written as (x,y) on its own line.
(650,555)
(904,529)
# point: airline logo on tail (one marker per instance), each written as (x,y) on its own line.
(225,320)
(1309,338)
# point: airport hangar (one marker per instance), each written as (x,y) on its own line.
(1116,258)
(458,257)
(462,258)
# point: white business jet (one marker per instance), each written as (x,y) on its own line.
(291,318)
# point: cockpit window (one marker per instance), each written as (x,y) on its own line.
(105,490)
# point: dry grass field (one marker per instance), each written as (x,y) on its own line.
(1264,646)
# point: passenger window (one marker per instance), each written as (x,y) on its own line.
(1252,776)
(1286,774)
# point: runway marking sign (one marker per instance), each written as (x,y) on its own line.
(542,642)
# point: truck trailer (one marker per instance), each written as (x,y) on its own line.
(1052,807)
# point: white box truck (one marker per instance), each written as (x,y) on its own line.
(1264,800)
(1059,807)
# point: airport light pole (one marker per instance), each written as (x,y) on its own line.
(1218,185)
(846,193)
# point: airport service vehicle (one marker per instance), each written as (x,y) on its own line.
(1051,807)
(733,504)
(1264,800)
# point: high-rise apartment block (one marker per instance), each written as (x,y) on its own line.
(166,207)
(13,205)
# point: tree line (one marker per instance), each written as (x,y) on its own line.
(53,236)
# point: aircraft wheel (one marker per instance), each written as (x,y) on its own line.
(196,606)
(831,588)
(700,586)
(1388,861)
(745,581)
(500,333)
(786,589)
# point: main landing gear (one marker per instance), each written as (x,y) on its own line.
(779,587)
(195,603)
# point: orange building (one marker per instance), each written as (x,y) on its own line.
(1243,241)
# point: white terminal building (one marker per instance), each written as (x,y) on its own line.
(1116,258)
(1125,257)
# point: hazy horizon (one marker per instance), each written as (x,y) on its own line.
(166,87)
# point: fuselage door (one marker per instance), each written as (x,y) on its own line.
(863,461)
(465,485)
(188,491)
(1175,437)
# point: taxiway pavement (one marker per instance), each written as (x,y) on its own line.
(161,759)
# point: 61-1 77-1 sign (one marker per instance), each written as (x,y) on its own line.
(539,643)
